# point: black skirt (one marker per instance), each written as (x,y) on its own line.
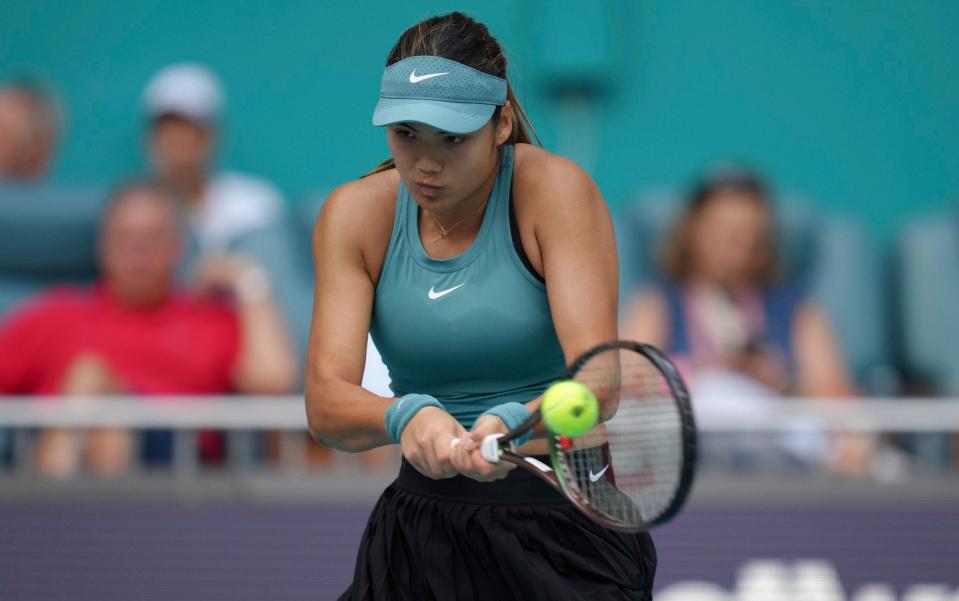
(517,538)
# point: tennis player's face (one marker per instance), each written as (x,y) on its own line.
(729,239)
(442,170)
(140,248)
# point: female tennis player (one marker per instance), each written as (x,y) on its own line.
(481,264)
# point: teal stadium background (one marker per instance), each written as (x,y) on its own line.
(855,105)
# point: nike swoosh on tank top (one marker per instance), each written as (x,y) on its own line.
(474,330)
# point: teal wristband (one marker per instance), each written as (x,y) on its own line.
(512,414)
(402,411)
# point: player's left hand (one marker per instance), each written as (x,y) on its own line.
(466,456)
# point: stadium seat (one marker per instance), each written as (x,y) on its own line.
(831,256)
(47,236)
(927,278)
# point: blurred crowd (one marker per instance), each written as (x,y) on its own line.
(175,308)
(193,292)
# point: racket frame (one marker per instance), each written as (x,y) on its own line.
(502,446)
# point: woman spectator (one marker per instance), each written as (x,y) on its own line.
(738,329)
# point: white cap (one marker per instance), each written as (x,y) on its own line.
(186,89)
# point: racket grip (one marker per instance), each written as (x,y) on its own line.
(489,448)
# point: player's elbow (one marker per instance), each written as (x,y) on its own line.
(323,435)
(321,431)
(318,421)
(326,429)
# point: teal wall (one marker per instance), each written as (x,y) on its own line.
(855,104)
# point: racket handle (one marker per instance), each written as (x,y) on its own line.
(489,448)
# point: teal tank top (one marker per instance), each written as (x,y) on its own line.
(474,330)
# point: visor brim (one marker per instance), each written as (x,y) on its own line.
(452,117)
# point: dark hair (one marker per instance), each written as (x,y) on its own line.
(739,181)
(460,38)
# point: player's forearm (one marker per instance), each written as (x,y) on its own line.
(345,416)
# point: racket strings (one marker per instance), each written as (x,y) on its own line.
(627,467)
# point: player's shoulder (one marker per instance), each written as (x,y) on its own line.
(360,207)
(547,180)
(371,191)
(536,162)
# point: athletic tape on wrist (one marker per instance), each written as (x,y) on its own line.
(512,414)
(402,411)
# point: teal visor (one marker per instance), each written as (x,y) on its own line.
(438,92)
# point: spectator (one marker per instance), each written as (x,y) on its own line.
(29,129)
(183,105)
(737,330)
(132,333)
(226,210)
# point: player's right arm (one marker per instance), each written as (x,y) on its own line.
(341,414)
(349,241)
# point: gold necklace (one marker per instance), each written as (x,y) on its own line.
(445,231)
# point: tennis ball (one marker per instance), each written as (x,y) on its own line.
(569,408)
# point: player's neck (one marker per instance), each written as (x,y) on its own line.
(451,231)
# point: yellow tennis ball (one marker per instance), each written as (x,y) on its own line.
(569,408)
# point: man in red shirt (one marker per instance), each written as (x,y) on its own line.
(132,333)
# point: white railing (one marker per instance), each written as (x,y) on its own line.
(174,412)
(288,413)
(245,417)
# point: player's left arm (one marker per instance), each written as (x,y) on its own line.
(575,247)
(576,240)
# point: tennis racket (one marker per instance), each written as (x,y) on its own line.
(635,468)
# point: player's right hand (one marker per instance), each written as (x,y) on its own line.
(469,460)
(427,442)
